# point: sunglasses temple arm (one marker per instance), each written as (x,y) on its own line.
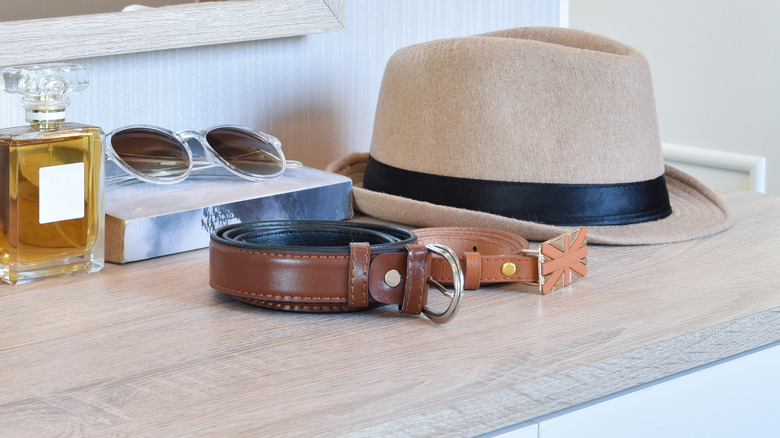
(115,174)
(203,164)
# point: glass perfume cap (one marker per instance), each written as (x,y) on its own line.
(44,86)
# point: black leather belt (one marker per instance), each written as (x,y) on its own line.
(329,266)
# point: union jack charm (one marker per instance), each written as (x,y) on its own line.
(562,260)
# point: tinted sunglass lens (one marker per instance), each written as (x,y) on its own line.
(151,153)
(246,151)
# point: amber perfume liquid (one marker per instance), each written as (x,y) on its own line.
(51,201)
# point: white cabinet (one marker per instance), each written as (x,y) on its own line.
(735,397)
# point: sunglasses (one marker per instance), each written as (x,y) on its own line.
(160,156)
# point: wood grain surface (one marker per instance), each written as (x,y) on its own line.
(177,26)
(148,349)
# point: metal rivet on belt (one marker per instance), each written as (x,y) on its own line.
(393,278)
(508,269)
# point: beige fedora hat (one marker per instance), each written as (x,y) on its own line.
(532,131)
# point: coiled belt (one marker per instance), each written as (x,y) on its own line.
(330,266)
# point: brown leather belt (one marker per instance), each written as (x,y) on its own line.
(492,256)
(329,266)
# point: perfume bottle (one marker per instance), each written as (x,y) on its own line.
(51,180)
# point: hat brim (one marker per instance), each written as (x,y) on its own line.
(696,212)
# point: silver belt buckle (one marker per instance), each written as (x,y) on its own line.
(457,285)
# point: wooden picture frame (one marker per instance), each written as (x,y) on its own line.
(187,25)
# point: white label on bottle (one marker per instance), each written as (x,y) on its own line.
(60,193)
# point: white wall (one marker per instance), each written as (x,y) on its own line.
(316,93)
(715,66)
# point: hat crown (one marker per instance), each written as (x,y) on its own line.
(530,131)
(543,105)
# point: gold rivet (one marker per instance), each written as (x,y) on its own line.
(508,269)
(393,278)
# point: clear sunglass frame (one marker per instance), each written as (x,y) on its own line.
(217,159)
(210,160)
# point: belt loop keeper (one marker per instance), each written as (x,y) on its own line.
(416,286)
(472,271)
(359,258)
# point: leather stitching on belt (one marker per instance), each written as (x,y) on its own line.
(359,257)
(281,306)
(331,266)
(311,268)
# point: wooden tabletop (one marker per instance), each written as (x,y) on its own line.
(149,348)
